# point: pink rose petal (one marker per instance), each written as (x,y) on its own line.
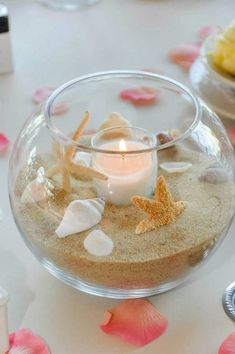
(60,109)
(185,54)
(205,31)
(228,346)
(25,339)
(136,321)
(140,96)
(231,134)
(41,94)
(4,143)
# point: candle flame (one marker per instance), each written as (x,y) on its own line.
(122,145)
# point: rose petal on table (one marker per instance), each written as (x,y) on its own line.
(140,96)
(4,143)
(136,321)
(41,94)
(60,109)
(205,31)
(228,346)
(184,55)
(24,339)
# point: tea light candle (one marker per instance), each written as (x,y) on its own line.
(128,174)
(4,342)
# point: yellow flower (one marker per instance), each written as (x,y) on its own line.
(224,51)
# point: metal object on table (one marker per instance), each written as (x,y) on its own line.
(229,301)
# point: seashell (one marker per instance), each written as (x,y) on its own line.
(175,167)
(136,321)
(4,143)
(80,215)
(37,191)
(214,175)
(98,243)
(163,138)
(228,345)
(141,96)
(114,120)
(82,158)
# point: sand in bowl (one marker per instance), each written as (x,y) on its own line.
(137,261)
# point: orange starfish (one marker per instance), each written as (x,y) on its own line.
(162,210)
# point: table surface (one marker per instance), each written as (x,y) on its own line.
(51,47)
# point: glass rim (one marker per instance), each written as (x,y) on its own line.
(59,135)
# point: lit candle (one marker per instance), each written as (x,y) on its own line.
(128,174)
(4,342)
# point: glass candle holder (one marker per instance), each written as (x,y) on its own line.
(126,158)
(122,136)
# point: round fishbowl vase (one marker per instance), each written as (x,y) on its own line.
(128,191)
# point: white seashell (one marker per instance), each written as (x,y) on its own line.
(80,215)
(82,158)
(98,243)
(36,191)
(114,120)
(175,167)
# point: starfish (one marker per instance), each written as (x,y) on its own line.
(162,210)
(65,164)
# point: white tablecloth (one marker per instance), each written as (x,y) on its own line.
(51,47)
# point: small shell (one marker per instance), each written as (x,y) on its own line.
(80,215)
(37,191)
(98,243)
(163,138)
(228,346)
(82,158)
(141,96)
(214,175)
(175,167)
(136,321)
(114,120)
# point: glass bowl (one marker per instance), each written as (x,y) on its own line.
(135,199)
(214,85)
